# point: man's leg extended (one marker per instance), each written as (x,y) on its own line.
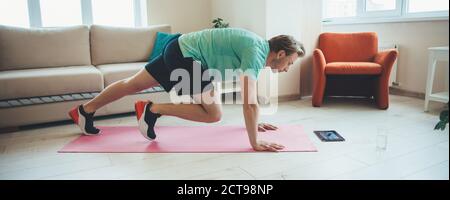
(140,81)
(83,115)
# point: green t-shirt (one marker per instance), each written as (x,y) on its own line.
(224,49)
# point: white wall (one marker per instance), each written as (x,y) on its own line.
(183,15)
(285,23)
(414,39)
(247,14)
(301,19)
(310,20)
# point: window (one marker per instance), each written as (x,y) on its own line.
(380,5)
(61,13)
(14,13)
(380,8)
(360,11)
(54,13)
(416,6)
(105,12)
(340,8)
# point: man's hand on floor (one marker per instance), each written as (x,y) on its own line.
(268,146)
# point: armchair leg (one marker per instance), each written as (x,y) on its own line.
(382,96)
(382,105)
(318,93)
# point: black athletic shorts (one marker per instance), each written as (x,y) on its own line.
(172,59)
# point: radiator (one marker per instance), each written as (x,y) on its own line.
(393,82)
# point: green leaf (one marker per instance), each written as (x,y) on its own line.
(441,126)
(444,116)
(219,23)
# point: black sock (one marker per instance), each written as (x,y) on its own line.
(150,119)
(89,117)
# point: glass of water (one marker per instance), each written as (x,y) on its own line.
(382,138)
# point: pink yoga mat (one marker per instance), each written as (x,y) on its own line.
(177,139)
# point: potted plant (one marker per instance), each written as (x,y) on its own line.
(443,120)
(219,23)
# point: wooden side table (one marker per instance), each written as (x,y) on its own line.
(436,54)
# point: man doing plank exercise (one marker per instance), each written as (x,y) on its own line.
(217,50)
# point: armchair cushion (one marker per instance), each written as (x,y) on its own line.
(349,47)
(353,68)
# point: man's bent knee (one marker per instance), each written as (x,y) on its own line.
(214,116)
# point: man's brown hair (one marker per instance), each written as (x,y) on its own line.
(288,44)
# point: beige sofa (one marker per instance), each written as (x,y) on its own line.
(45,72)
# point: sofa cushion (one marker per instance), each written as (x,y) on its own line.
(116,72)
(49,81)
(353,68)
(111,45)
(162,40)
(27,48)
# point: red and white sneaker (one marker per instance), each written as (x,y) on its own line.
(146,119)
(84,120)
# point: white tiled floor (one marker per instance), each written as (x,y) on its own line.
(414,150)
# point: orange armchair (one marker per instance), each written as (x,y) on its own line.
(349,64)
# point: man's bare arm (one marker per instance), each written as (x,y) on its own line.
(251,115)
